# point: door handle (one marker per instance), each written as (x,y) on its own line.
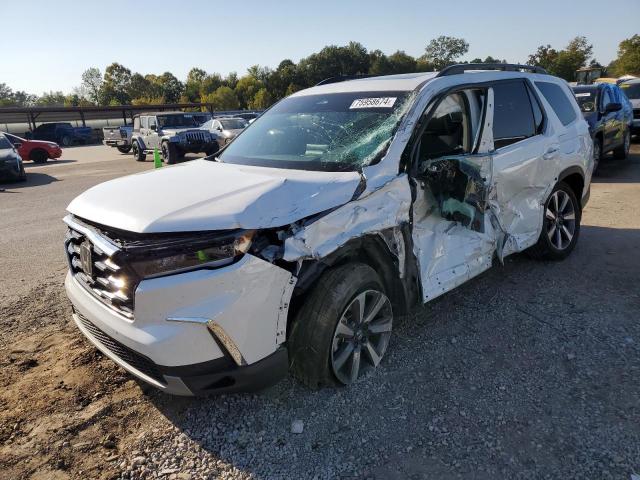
(551,152)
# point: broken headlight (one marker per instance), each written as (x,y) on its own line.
(177,260)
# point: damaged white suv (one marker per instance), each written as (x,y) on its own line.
(342,207)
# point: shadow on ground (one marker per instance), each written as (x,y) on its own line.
(33,180)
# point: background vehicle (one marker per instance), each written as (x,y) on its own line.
(11,168)
(62,133)
(118,137)
(201,117)
(631,89)
(298,245)
(37,150)
(609,115)
(226,128)
(173,133)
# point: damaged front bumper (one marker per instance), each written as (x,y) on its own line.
(200,332)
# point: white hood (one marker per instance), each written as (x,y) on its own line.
(206,195)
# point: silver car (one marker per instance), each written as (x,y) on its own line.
(225,129)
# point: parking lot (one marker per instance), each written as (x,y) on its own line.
(531,370)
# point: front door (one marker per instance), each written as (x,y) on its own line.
(152,140)
(451,175)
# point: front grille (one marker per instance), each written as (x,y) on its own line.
(124,353)
(636,113)
(100,274)
(197,137)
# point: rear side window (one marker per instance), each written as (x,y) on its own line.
(558,100)
(513,119)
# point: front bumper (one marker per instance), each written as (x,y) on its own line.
(168,343)
(10,171)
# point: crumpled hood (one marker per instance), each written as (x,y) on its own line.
(207,195)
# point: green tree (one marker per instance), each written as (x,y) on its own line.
(115,87)
(246,89)
(171,87)
(193,85)
(211,83)
(222,99)
(628,61)
(563,63)
(51,99)
(139,86)
(333,61)
(91,83)
(444,51)
(261,100)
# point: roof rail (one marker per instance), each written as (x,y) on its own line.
(342,78)
(505,67)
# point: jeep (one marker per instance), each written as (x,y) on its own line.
(173,133)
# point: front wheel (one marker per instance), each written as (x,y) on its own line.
(65,140)
(561,225)
(343,329)
(170,153)
(622,151)
(124,148)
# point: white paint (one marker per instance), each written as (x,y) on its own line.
(207,195)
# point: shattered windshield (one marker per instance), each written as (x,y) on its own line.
(334,132)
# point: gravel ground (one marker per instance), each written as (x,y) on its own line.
(531,370)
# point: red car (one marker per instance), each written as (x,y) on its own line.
(37,150)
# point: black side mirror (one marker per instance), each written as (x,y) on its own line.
(17,145)
(613,107)
(154,128)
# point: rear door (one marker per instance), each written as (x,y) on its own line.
(525,162)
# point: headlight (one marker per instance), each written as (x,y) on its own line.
(160,263)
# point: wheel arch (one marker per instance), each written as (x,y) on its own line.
(574,177)
(374,251)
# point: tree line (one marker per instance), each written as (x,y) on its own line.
(261,86)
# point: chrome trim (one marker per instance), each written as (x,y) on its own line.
(200,320)
(98,240)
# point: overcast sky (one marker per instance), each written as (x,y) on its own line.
(47,44)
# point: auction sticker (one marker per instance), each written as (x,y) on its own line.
(377,102)
(585,94)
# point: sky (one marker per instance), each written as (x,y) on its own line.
(48,44)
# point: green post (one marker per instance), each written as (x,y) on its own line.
(157,161)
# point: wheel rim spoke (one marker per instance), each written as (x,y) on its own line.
(570,216)
(558,239)
(345,353)
(567,233)
(373,355)
(550,215)
(565,201)
(344,330)
(552,230)
(378,303)
(380,326)
(355,364)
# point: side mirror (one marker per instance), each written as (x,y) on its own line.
(613,107)
(17,145)
(154,128)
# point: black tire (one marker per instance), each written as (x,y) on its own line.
(39,156)
(622,152)
(23,174)
(597,152)
(312,332)
(170,153)
(545,248)
(138,153)
(65,141)
(124,148)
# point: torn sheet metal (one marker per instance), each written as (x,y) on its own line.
(385,208)
(395,243)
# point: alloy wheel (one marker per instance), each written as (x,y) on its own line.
(561,219)
(361,336)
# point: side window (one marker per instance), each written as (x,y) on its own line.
(448,132)
(538,116)
(136,123)
(559,101)
(152,122)
(144,122)
(512,115)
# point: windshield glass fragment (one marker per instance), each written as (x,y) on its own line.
(331,132)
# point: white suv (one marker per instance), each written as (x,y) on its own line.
(342,207)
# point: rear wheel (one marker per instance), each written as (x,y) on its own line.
(39,156)
(561,225)
(622,151)
(138,153)
(343,329)
(124,148)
